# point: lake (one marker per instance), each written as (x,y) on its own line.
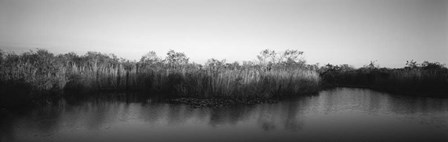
(341,114)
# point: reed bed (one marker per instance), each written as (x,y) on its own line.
(45,72)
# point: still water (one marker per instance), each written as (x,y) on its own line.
(342,114)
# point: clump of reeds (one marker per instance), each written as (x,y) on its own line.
(44,71)
(246,83)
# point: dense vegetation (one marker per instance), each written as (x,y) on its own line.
(427,78)
(38,74)
(41,72)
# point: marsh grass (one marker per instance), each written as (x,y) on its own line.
(33,75)
(42,71)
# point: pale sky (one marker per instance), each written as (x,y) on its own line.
(328,31)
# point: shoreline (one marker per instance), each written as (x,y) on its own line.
(39,77)
(192,101)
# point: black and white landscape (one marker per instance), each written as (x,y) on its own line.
(223,70)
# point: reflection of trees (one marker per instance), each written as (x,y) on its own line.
(7,129)
(286,115)
(293,122)
(412,105)
(266,116)
(342,99)
(230,115)
(93,114)
(177,114)
(100,112)
(370,101)
(282,115)
(43,120)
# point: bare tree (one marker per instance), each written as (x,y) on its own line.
(176,58)
(215,63)
(150,57)
(269,58)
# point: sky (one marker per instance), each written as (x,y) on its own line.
(353,32)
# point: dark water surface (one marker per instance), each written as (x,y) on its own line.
(342,114)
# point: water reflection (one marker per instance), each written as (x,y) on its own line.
(339,114)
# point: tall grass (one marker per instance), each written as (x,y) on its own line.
(45,72)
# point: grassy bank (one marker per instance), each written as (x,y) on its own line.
(425,79)
(42,72)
